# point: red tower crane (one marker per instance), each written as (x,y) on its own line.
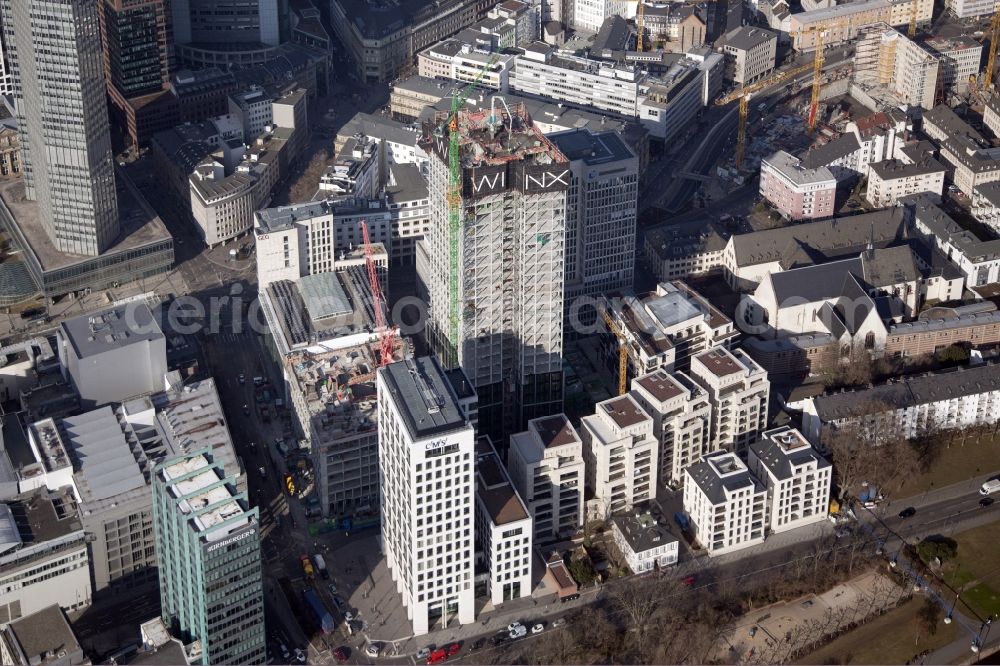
(385,333)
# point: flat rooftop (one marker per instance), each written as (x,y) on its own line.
(593,148)
(720,362)
(624,411)
(140,225)
(191,419)
(110,329)
(423,395)
(661,385)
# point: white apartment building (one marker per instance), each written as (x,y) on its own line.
(750,54)
(426,454)
(546,465)
(620,450)
(503,529)
(600,218)
(991,115)
(885,57)
(892,179)
(523,15)
(588,15)
(972,8)
(738,389)
(397,141)
(662,330)
(797,478)
(844,21)
(645,543)
(960,57)
(502,320)
(986,204)
(221,205)
(972,163)
(958,398)
(670,102)
(726,504)
(796,192)
(978,260)
(682,420)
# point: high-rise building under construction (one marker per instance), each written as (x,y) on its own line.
(492,265)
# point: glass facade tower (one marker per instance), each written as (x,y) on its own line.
(55,59)
(208,546)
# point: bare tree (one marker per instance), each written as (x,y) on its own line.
(636,601)
(308,182)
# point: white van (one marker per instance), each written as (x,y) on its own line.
(990,486)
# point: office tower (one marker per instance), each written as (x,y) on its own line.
(600,219)
(54,51)
(221,32)
(138,62)
(426,460)
(496,282)
(208,547)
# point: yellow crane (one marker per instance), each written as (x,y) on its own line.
(622,353)
(991,61)
(640,25)
(817,83)
(744,94)
(914,8)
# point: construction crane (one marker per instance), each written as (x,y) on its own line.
(991,60)
(914,8)
(744,94)
(622,353)
(385,333)
(640,26)
(817,83)
(455,208)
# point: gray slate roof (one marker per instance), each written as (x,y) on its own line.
(922,389)
(713,486)
(831,151)
(424,397)
(780,462)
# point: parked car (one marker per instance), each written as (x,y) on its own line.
(437,657)
(300,656)
(452,649)
(908,512)
(753,631)
(512,626)
(423,653)
(242,378)
(518,632)
(558,622)
(499,639)
(689,581)
(348,616)
(341,654)
(538,628)
(372,650)
(986,501)
(285,654)
(478,645)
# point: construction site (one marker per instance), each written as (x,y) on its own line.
(495,281)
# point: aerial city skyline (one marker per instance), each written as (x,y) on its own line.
(519,331)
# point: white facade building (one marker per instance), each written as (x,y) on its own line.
(427,459)
(959,398)
(972,8)
(645,543)
(725,503)
(503,529)
(620,451)
(892,179)
(738,390)
(682,420)
(546,464)
(750,54)
(797,478)
(588,15)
